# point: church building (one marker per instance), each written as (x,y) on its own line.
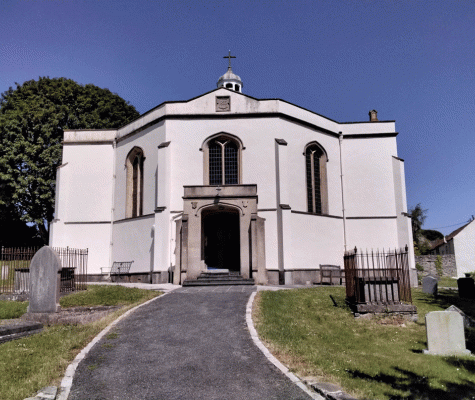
(261,187)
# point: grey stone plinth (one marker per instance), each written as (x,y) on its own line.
(445,334)
(429,285)
(44,281)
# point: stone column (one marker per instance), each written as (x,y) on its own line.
(161,257)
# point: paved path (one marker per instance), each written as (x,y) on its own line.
(191,344)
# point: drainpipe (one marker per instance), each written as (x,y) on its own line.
(340,141)
(114,148)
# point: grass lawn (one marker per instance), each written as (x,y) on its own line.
(28,364)
(379,359)
(446,281)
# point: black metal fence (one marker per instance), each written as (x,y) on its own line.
(377,277)
(15,269)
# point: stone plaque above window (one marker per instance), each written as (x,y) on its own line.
(223,103)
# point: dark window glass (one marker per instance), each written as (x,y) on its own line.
(215,164)
(135,185)
(230,164)
(313,155)
(223,162)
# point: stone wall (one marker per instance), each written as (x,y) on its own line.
(428,263)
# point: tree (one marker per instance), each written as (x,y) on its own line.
(431,234)
(418,216)
(32,119)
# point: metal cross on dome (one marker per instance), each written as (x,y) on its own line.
(229,56)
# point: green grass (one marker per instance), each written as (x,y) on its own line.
(12,309)
(97,295)
(369,359)
(28,364)
(446,281)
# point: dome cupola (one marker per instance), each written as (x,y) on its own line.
(230,80)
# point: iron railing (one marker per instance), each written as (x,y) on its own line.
(15,269)
(377,277)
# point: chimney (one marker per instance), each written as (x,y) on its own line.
(373,116)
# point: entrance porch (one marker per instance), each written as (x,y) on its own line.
(220,229)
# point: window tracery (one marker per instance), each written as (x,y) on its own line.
(134,195)
(316,179)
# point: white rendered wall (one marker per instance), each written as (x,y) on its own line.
(464,246)
(403,221)
(148,140)
(316,240)
(94,237)
(368,177)
(88,191)
(376,234)
(84,201)
(297,138)
(271,241)
(133,241)
(258,157)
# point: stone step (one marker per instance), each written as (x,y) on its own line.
(18,329)
(210,282)
(217,271)
(219,278)
(213,274)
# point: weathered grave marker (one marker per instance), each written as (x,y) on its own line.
(445,334)
(466,287)
(429,285)
(44,281)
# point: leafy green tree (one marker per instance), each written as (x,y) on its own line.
(422,238)
(32,119)
(418,216)
(431,234)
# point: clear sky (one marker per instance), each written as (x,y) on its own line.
(412,61)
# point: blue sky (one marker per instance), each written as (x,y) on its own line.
(412,61)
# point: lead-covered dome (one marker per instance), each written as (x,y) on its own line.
(230,80)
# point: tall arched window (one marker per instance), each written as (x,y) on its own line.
(222,160)
(134,196)
(316,171)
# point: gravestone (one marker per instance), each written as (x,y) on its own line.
(467,321)
(44,281)
(445,334)
(429,285)
(466,287)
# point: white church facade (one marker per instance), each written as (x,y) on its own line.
(261,187)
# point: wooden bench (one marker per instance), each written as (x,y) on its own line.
(119,268)
(333,272)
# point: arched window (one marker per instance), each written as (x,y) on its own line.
(222,161)
(134,196)
(316,171)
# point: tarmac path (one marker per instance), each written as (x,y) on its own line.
(191,344)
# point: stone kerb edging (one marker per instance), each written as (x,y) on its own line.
(67,381)
(268,354)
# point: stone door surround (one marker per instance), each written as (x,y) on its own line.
(226,198)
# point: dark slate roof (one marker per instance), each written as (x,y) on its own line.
(450,236)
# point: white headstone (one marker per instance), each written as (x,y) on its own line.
(44,281)
(445,334)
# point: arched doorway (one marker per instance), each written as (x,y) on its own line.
(220,238)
